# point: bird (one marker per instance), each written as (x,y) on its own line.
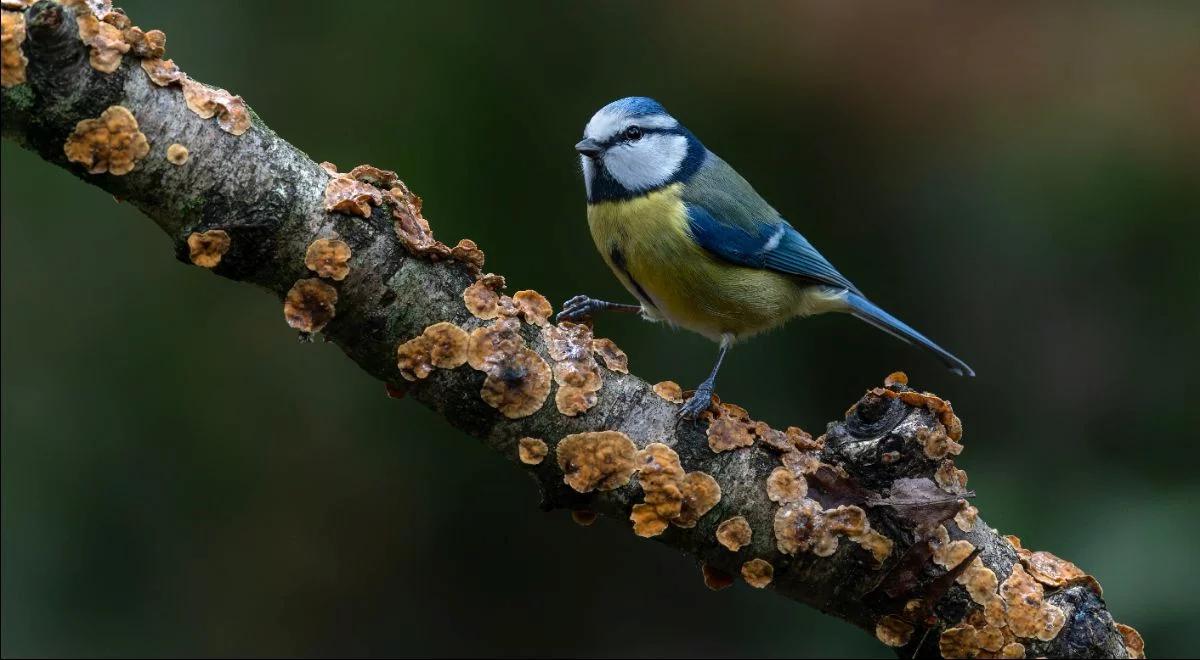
(697,247)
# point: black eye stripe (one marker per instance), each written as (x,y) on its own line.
(620,137)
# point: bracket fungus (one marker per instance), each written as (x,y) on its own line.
(346,195)
(966,516)
(1048,568)
(309,305)
(521,388)
(773,439)
(162,72)
(659,475)
(467,252)
(575,369)
(937,442)
(758,573)
(371,175)
(533,307)
(715,578)
(803,440)
(701,492)
(802,526)
(1134,646)
(177,154)
(1012,650)
(734,533)
(144,44)
(328,257)
(791,441)
(395,390)
(613,357)
(798,526)
(483,299)
(893,631)
(115,17)
(208,102)
(518,379)
(785,486)
(950,478)
(492,344)
(847,520)
(732,429)
(1010,610)
(982,586)
(206,249)
(875,543)
(12,58)
(414,233)
(109,33)
(946,553)
(441,346)
(583,517)
(958,642)
(105,40)
(670,495)
(669,390)
(802,462)
(798,438)
(596,460)
(1028,613)
(110,143)
(895,378)
(532,451)
(970,641)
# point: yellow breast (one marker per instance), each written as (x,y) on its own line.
(646,243)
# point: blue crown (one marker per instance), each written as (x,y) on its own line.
(638,106)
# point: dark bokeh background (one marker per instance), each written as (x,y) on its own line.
(1022,181)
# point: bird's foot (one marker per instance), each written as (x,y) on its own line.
(700,401)
(578,308)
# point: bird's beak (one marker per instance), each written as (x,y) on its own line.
(589,148)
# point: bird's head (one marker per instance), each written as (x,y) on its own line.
(632,146)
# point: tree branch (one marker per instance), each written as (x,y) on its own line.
(868,522)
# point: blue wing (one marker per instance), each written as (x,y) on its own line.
(779,247)
(728,218)
(769,243)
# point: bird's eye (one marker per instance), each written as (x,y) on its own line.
(633,133)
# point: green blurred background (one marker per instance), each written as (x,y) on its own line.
(1021,181)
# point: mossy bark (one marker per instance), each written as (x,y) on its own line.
(268,196)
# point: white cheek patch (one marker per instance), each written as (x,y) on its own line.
(648,162)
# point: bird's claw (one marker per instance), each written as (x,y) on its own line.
(577,309)
(698,403)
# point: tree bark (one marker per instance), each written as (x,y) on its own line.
(890,456)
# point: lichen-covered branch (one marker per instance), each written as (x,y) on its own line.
(869,522)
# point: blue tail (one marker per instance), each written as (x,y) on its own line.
(871,313)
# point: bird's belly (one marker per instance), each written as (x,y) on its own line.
(646,243)
(715,299)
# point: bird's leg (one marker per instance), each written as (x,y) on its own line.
(703,396)
(581,307)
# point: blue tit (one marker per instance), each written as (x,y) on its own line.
(697,246)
